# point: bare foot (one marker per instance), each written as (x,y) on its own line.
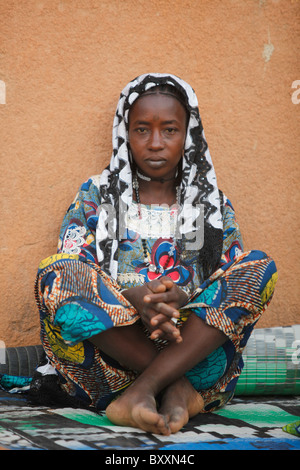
(138,411)
(180,402)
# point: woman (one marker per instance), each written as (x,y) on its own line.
(147,306)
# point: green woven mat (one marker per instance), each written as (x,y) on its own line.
(272,362)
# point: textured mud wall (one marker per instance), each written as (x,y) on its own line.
(63,65)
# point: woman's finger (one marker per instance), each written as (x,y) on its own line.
(169,327)
(168,310)
(160,318)
(156,286)
(166,297)
(168,332)
(167,282)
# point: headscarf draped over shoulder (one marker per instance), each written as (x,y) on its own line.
(199,194)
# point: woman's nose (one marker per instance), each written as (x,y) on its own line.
(156,140)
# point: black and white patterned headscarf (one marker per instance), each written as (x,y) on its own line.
(198,187)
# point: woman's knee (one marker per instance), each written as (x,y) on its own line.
(267,274)
(257,255)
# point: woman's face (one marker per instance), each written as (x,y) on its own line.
(157,130)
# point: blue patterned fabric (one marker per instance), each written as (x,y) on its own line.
(79,290)
(72,312)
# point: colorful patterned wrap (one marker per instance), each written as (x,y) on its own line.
(78,300)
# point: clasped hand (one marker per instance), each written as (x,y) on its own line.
(158,304)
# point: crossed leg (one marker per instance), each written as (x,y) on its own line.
(160,373)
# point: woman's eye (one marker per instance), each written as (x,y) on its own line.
(170,130)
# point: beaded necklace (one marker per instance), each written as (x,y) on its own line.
(147,260)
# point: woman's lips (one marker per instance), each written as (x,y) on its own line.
(155,162)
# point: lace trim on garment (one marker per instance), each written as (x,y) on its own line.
(130,278)
(155,222)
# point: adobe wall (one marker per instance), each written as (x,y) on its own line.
(63,65)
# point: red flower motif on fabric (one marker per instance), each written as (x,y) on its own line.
(176,269)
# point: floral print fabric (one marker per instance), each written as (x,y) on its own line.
(77,300)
